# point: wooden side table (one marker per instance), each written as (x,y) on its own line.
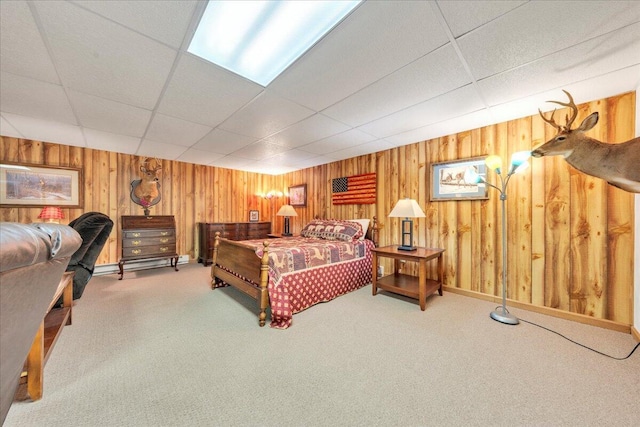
(410,286)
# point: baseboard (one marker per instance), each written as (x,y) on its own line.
(581,318)
(142,264)
(635,333)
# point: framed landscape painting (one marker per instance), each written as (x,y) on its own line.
(447,180)
(25,185)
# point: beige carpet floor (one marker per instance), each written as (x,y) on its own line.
(160,348)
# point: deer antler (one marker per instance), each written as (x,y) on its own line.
(574,113)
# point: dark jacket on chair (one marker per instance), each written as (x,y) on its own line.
(94,228)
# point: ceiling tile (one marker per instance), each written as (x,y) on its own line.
(223,142)
(175,131)
(434,74)
(165,21)
(98,57)
(376,40)
(362,149)
(458,102)
(463,16)
(310,129)
(28,97)
(265,115)
(199,157)
(258,150)
(232,162)
(46,130)
(111,142)
(343,140)
(205,93)
(615,50)
(540,28)
(457,124)
(103,114)
(22,50)
(290,158)
(161,150)
(7,129)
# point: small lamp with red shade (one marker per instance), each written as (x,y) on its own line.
(51,214)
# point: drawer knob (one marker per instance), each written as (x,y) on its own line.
(136,242)
(136,251)
(164,240)
(136,234)
(164,249)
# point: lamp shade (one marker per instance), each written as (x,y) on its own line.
(493,162)
(287,210)
(406,208)
(51,213)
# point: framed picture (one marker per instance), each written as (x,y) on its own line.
(24,185)
(298,195)
(254,216)
(447,180)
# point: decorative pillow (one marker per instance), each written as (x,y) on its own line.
(364,223)
(333,229)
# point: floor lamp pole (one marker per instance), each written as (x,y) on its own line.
(500,313)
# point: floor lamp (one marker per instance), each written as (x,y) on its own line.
(518,164)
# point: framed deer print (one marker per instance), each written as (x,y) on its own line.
(25,185)
(447,180)
(254,216)
(298,195)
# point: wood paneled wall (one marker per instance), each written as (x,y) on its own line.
(570,236)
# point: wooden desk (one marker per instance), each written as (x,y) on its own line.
(410,286)
(46,337)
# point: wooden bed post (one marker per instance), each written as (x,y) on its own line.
(264,283)
(216,243)
(374,231)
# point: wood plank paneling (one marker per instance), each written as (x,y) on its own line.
(570,236)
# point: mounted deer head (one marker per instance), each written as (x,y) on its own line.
(618,164)
(147,189)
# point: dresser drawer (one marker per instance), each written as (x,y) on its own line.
(148,241)
(159,221)
(144,234)
(149,251)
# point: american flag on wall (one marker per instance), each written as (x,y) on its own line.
(354,190)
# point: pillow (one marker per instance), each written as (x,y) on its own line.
(333,229)
(364,223)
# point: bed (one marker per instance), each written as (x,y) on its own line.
(288,275)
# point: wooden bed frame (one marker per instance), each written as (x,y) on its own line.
(241,258)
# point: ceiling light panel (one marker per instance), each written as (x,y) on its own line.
(260,39)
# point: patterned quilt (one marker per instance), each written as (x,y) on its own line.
(305,271)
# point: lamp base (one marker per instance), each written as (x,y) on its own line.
(501,315)
(407,248)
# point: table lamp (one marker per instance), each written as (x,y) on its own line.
(51,214)
(286,211)
(407,208)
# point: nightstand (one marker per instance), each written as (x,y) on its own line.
(410,286)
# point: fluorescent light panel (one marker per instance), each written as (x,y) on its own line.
(260,39)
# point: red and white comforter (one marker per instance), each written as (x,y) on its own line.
(305,271)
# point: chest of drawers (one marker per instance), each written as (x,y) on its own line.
(228,230)
(145,237)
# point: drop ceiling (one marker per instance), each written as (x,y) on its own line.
(116,76)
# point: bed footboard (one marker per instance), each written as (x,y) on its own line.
(237,264)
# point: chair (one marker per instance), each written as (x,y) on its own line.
(94,228)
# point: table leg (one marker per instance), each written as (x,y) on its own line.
(374,276)
(440,273)
(422,285)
